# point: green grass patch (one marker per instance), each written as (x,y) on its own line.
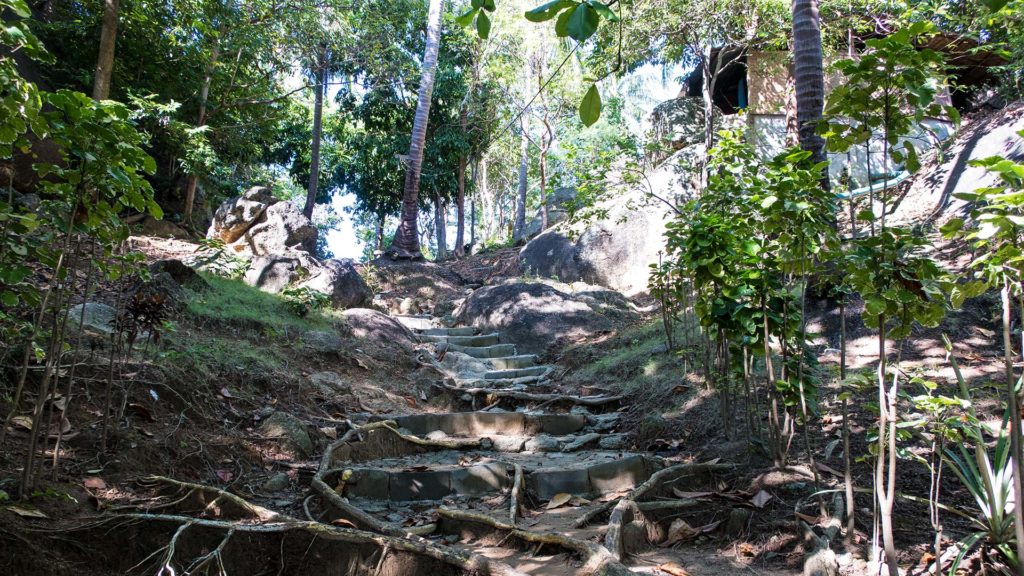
(233,302)
(635,358)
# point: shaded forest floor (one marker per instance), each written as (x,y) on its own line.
(193,407)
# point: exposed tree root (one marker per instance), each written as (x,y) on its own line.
(325,534)
(518,489)
(211,501)
(498,393)
(658,479)
(597,560)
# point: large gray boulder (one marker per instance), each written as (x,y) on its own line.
(558,202)
(615,251)
(616,247)
(256,223)
(536,316)
(339,279)
(377,326)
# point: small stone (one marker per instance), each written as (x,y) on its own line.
(277,482)
(542,443)
(451,538)
(612,442)
(290,431)
(395,517)
(580,410)
(437,435)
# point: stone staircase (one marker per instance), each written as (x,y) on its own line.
(535,468)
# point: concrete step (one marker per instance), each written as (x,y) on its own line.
(513,362)
(496,351)
(480,341)
(514,383)
(461,331)
(417,321)
(585,474)
(515,373)
(479,424)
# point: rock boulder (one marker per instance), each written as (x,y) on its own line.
(257,223)
(377,326)
(536,315)
(339,279)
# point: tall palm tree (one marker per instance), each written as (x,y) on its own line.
(809,78)
(406,244)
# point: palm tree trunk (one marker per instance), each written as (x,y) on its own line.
(440,227)
(105,60)
(314,154)
(406,243)
(809,78)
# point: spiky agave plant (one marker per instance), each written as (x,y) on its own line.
(990,482)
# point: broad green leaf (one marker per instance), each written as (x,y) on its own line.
(583,22)
(562,24)
(590,107)
(548,11)
(483,25)
(603,10)
(467,17)
(489,5)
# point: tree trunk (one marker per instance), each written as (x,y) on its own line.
(379,235)
(204,98)
(406,243)
(460,206)
(520,223)
(440,227)
(105,60)
(314,154)
(472,206)
(809,79)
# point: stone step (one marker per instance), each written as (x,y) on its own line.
(496,351)
(516,373)
(461,331)
(586,475)
(479,341)
(522,382)
(612,476)
(416,321)
(478,424)
(513,362)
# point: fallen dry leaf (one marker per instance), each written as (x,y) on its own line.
(678,531)
(141,411)
(225,475)
(927,558)
(330,431)
(747,549)
(673,569)
(26,512)
(94,483)
(560,499)
(343,522)
(225,392)
(23,422)
(761,498)
(812,520)
(578,501)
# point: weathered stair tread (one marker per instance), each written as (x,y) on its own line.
(490,423)
(437,475)
(514,373)
(460,331)
(496,351)
(416,321)
(513,362)
(478,341)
